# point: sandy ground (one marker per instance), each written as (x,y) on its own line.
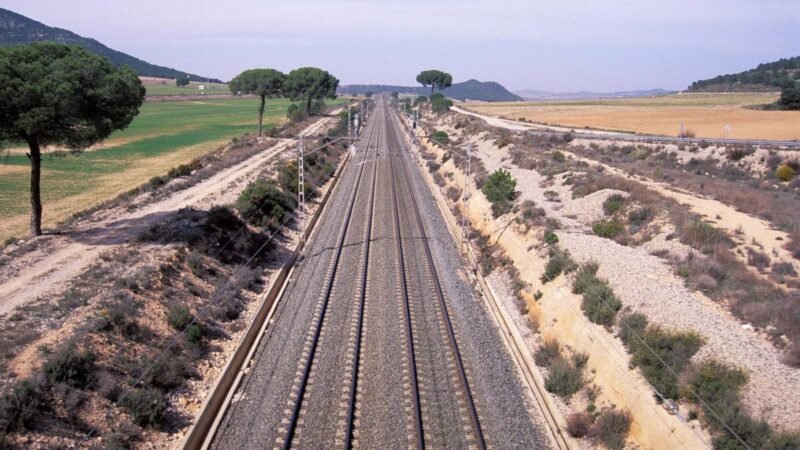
(707,121)
(647,284)
(743,228)
(59,258)
(653,427)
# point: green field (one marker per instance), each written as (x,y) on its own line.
(169,88)
(162,136)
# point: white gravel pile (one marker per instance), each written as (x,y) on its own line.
(646,284)
(589,209)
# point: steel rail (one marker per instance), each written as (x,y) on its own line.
(420,442)
(461,373)
(325,298)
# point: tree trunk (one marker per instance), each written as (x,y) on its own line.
(308,106)
(432,86)
(261,113)
(35,156)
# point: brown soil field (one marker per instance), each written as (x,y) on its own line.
(704,114)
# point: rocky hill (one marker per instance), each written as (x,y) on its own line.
(772,76)
(18,29)
(487,91)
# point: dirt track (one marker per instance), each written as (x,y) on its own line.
(60,257)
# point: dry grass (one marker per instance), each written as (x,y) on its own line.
(705,114)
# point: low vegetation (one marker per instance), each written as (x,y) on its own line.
(559,262)
(499,189)
(599,302)
(610,428)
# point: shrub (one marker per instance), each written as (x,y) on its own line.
(639,216)
(579,424)
(146,407)
(120,316)
(784,173)
(530,214)
(608,228)
(263,203)
(550,238)
(630,326)
(288,180)
(560,262)
(440,137)
(21,406)
(784,268)
(551,196)
(547,353)
(613,203)
(179,171)
(702,236)
(165,373)
(719,386)
(500,208)
(179,317)
(440,105)
(453,194)
(499,186)
(654,345)
(759,260)
(599,304)
(70,366)
(737,153)
(563,378)
(499,190)
(579,360)
(611,428)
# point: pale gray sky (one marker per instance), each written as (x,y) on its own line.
(600,45)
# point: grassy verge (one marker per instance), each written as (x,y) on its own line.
(164,135)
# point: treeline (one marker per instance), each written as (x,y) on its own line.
(781,74)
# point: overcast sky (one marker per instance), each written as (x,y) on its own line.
(557,45)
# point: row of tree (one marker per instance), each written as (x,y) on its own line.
(63,96)
(306,84)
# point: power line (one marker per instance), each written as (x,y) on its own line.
(647,346)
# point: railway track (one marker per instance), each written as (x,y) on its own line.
(374,360)
(294,422)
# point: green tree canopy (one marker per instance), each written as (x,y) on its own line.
(790,98)
(182,81)
(261,82)
(435,79)
(59,95)
(310,83)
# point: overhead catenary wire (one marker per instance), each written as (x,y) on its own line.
(672,371)
(173,339)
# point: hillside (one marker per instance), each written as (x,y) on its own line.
(772,76)
(532,94)
(487,91)
(18,29)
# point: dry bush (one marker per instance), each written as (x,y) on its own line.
(564,378)
(454,194)
(579,424)
(611,428)
(759,260)
(547,353)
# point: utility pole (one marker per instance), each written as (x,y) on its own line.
(301,192)
(465,199)
(349,121)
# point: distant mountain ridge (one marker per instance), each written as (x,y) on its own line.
(487,91)
(532,94)
(772,76)
(17,29)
